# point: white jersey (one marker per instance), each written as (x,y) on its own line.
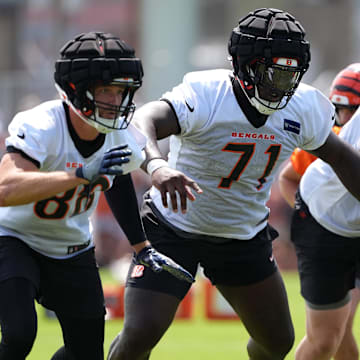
(58,226)
(329,202)
(232,161)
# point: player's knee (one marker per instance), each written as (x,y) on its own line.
(131,344)
(281,343)
(275,348)
(125,353)
(65,354)
(326,342)
(19,341)
(325,346)
(349,353)
(147,332)
(353,353)
(284,344)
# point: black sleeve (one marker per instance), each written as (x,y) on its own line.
(122,201)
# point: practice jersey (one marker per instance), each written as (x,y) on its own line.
(329,202)
(301,159)
(232,161)
(59,226)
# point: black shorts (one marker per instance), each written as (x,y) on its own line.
(327,262)
(232,262)
(70,286)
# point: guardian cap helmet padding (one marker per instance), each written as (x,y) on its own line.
(269,56)
(98,58)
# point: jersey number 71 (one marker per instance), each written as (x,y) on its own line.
(247,151)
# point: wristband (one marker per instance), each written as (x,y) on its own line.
(155,164)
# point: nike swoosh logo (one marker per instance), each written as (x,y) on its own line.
(21,136)
(189,107)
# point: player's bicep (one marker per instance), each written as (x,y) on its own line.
(16,162)
(333,151)
(157,119)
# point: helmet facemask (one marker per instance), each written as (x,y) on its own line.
(273,84)
(117,117)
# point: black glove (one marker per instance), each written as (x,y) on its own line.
(157,262)
(109,163)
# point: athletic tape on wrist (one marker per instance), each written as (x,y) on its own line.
(155,164)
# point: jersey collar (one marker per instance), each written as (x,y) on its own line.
(253,116)
(86,148)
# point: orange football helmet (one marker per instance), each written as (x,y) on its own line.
(345,89)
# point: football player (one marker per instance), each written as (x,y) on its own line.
(60,155)
(345,95)
(230,131)
(327,332)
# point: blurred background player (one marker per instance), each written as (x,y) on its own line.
(230,130)
(325,231)
(345,95)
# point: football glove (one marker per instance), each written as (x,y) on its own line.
(109,163)
(157,262)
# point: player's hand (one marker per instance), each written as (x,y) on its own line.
(109,163)
(173,182)
(157,262)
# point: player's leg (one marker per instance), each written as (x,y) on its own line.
(324,331)
(17,318)
(148,314)
(62,354)
(83,338)
(348,349)
(327,264)
(246,274)
(151,299)
(264,311)
(19,283)
(73,290)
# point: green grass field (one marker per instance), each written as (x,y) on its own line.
(197,338)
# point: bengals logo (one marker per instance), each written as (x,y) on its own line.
(285,61)
(138,271)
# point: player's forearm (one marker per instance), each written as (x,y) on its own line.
(152,149)
(24,187)
(157,121)
(288,189)
(122,201)
(350,177)
(289,181)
